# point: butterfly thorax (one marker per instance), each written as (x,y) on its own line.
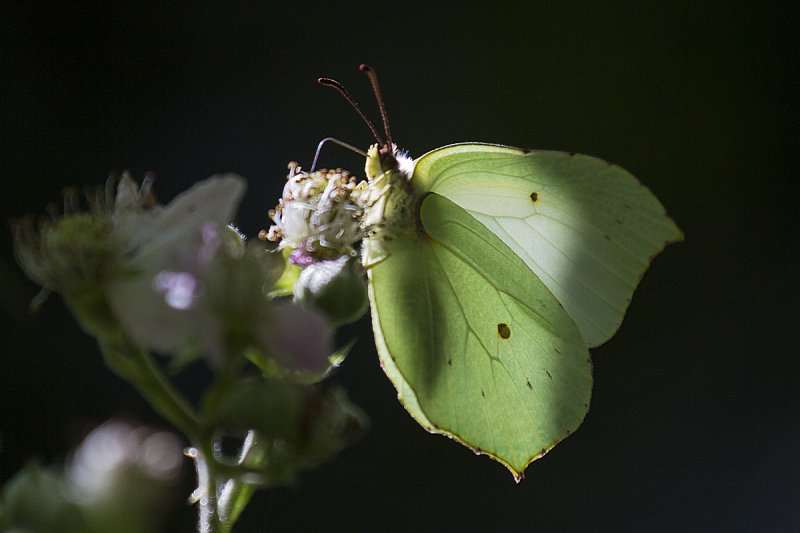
(391,200)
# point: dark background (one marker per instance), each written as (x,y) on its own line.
(695,417)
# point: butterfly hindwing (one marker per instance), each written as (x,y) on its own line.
(476,345)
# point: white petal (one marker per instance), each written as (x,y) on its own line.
(213,200)
(127,194)
(298,338)
(147,318)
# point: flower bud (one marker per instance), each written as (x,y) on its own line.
(290,427)
(121,476)
(337,288)
(273,407)
(36,499)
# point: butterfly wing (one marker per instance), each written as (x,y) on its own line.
(475,344)
(586,228)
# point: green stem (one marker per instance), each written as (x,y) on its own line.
(207,521)
(218,486)
(135,365)
(138,367)
(217,512)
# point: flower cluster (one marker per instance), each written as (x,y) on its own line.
(172,278)
(320,219)
(320,214)
(178,280)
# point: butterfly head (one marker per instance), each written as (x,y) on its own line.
(385,157)
(389,198)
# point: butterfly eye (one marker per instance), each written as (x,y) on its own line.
(503,330)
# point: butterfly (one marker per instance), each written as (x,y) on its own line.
(491,272)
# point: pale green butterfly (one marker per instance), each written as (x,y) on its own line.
(491,272)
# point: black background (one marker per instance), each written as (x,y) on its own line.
(695,417)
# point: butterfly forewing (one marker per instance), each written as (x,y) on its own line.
(587,229)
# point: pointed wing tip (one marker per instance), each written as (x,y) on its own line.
(518,474)
(679,236)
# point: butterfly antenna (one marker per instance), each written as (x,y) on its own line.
(336,141)
(339,87)
(373,79)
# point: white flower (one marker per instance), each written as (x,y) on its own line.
(195,283)
(168,251)
(320,214)
(116,455)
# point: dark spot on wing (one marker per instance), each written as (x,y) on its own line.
(534,196)
(556,350)
(449,362)
(529,384)
(482,394)
(503,330)
(548,374)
